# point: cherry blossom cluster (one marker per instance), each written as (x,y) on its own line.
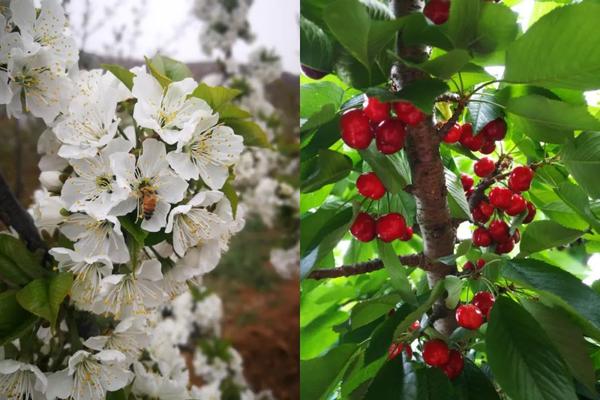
(132,205)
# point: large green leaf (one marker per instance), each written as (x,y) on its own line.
(43,297)
(434,295)
(326,167)
(17,264)
(447,64)
(215,96)
(314,96)
(473,384)
(576,198)
(389,169)
(462,22)
(497,28)
(482,112)
(423,93)
(320,375)
(522,357)
(541,235)
(396,271)
(172,69)
(14,320)
(371,309)
(581,156)
(457,201)
(252,133)
(557,286)
(559,50)
(568,339)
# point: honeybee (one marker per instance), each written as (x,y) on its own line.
(148,200)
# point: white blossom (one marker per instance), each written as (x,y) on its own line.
(19,380)
(129,337)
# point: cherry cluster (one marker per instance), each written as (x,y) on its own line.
(499,205)
(471,316)
(485,140)
(387,227)
(375,120)
(437,354)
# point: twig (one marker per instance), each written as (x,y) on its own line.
(413,260)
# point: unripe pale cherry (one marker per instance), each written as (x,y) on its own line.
(517,205)
(499,231)
(389,136)
(500,197)
(390,227)
(484,167)
(484,301)
(370,186)
(453,134)
(481,237)
(454,366)
(437,11)
(356,129)
(469,316)
(376,110)
(495,130)
(408,113)
(364,227)
(436,353)
(520,178)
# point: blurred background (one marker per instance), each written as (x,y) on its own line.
(252,46)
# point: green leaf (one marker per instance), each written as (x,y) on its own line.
(327,167)
(481,113)
(133,227)
(231,195)
(581,156)
(389,169)
(160,77)
(389,381)
(314,96)
(567,338)
(423,93)
(457,201)
(418,31)
(553,114)
(230,111)
(447,64)
(475,384)
(396,271)
(14,320)
(436,293)
(541,235)
(320,375)
(17,264)
(369,310)
(322,117)
(253,134)
(575,197)
(43,297)
(324,137)
(215,96)
(384,334)
(559,50)
(558,287)
(316,48)
(462,22)
(172,69)
(497,28)
(123,74)
(453,285)
(522,357)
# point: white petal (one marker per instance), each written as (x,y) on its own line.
(60,384)
(150,270)
(159,217)
(171,188)
(153,159)
(183,165)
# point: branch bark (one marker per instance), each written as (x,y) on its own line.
(422,148)
(413,260)
(12,214)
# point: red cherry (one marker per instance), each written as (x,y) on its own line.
(486,208)
(481,237)
(389,136)
(500,197)
(467,139)
(414,326)
(484,167)
(436,353)
(390,227)
(370,186)
(356,129)
(495,130)
(480,263)
(484,301)
(394,350)
(408,113)
(520,178)
(530,213)
(453,134)
(488,147)
(408,351)
(468,193)
(437,11)
(408,234)
(376,110)
(505,247)
(478,216)
(517,205)
(454,366)
(516,236)
(499,231)
(364,227)
(469,317)
(469,266)
(467,181)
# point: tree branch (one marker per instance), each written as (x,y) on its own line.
(12,214)
(413,260)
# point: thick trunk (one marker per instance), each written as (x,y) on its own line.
(428,180)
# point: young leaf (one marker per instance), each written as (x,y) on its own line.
(170,68)
(253,134)
(17,264)
(462,22)
(447,64)
(541,235)
(581,156)
(14,320)
(215,96)
(43,297)
(123,74)
(393,175)
(160,77)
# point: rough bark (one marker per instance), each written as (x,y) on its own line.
(422,147)
(413,260)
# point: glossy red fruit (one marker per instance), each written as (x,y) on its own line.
(467,139)
(469,266)
(484,167)
(312,73)
(437,11)
(478,216)
(486,208)
(517,205)
(415,326)
(390,227)
(356,129)
(453,134)
(484,301)
(454,366)
(436,353)
(394,350)
(467,181)
(408,113)
(481,237)
(520,178)
(408,234)
(531,210)
(500,197)
(480,263)
(505,247)
(389,136)
(495,130)
(469,317)
(488,147)
(516,237)
(499,231)
(370,186)
(376,110)
(364,227)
